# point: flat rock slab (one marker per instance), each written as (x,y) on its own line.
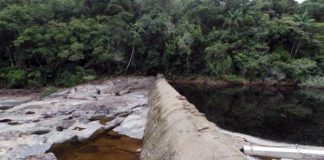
(9,102)
(134,124)
(30,127)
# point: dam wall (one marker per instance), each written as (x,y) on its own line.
(176,130)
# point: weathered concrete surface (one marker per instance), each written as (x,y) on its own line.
(175,130)
(30,127)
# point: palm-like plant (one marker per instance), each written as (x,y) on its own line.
(234,18)
(302,23)
(135,30)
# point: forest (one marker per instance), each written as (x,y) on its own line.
(66,42)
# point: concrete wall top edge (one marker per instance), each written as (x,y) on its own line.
(175,130)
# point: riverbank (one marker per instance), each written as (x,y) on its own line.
(316,82)
(70,117)
(29,128)
(226,83)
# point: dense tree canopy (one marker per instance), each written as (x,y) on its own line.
(64,42)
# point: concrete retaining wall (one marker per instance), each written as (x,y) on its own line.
(175,130)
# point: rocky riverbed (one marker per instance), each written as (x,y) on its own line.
(29,126)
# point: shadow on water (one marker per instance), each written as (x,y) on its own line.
(103,145)
(281,114)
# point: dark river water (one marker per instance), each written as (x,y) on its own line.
(281,114)
(102,145)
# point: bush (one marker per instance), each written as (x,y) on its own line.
(13,77)
(251,65)
(35,79)
(280,54)
(315,82)
(76,76)
(217,60)
(234,79)
(320,63)
(297,69)
(220,67)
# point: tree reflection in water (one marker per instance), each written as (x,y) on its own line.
(281,114)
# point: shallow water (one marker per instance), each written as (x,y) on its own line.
(103,145)
(281,114)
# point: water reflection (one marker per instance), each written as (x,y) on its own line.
(281,114)
(103,145)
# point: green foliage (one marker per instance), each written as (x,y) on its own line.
(250,65)
(218,62)
(319,36)
(234,79)
(61,42)
(281,54)
(13,77)
(35,79)
(315,82)
(73,77)
(320,63)
(298,69)
(315,8)
(233,20)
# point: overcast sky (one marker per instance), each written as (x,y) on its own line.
(300,1)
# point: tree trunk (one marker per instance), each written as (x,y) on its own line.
(10,57)
(292,49)
(39,63)
(297,48)
(132,56)
(187,68)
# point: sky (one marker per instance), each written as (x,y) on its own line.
(300,1)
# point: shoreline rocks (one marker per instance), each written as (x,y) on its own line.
(68,114)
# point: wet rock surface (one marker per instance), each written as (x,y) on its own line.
(45,156)
(31,127)
(102,145)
